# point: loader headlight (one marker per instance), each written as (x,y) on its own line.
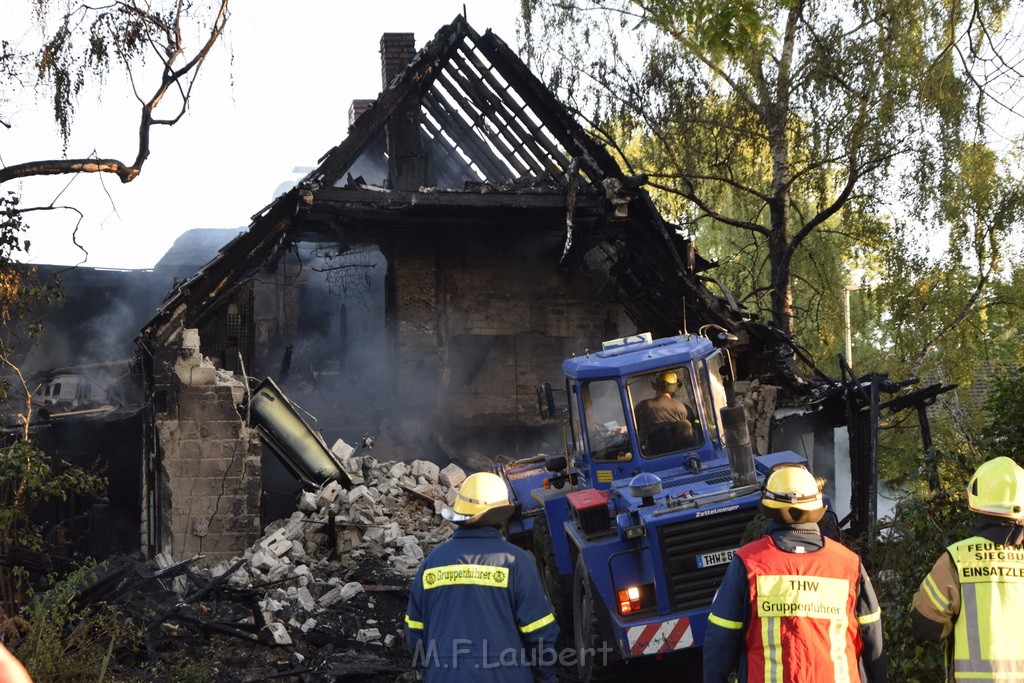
(633,599)
(630,526)
(632,532)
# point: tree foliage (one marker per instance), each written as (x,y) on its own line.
(927,521)
(79,43)
(782,120)
(1004,434)
(923,526)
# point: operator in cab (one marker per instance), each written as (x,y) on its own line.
(794,605)
(664,424)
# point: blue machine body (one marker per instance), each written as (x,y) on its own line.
(658,524)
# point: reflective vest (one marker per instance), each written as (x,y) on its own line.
(987,640)
(803,622)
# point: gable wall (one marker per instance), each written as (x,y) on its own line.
(502,321)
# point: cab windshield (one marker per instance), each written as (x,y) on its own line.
(665,412)
(606,421)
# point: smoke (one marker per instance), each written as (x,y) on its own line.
(87,340)
(334,346)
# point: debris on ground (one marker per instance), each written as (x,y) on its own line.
(321,596)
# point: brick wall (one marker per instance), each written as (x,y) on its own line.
(209,462)
(418,361)
(481,330)
(508,320)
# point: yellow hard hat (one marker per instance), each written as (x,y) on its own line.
(666,381)
(790,485)
(482,500)
(997,488)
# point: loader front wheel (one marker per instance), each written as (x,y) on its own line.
(593,654)
(544,554)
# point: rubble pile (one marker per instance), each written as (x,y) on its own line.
(337,571)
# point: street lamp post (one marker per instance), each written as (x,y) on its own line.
(846,320)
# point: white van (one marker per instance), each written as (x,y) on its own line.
(67,391)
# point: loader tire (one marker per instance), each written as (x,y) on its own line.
(544,555)
(596,660)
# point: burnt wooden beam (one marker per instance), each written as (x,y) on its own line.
(517,117)
(597,162)
(518,148)
(220,628)
(467,137)
(220,276)
(484,111)
(449,152)
(473,110)
(357,223)
(195,596)
(411,201)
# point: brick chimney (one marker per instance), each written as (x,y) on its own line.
(357,109)
(396,51)
(409,165)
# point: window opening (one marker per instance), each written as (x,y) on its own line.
(606,421)
(665,411)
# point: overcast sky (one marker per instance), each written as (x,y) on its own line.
(274,97)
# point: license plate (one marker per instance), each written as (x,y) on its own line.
(711,559)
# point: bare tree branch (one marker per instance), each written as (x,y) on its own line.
(182,79)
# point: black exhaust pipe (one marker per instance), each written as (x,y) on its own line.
(737,445)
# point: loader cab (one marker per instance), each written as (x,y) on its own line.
(621,424)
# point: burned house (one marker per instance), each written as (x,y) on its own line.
(414,289)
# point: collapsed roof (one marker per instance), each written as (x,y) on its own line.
(465,138)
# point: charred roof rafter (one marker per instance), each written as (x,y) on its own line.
(484,124)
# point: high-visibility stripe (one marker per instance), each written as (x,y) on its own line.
(412,623)
(466,574)
(771,636)
(725,623)
(540,623)
(988,668)
(940,601)
(837,643)
(969,613)
(983,676)
(870,618)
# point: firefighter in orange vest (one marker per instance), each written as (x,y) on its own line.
(794,605)
(975,590)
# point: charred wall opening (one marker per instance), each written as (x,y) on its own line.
(318,321)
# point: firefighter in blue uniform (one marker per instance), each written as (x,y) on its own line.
(794,606)
(477,608)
